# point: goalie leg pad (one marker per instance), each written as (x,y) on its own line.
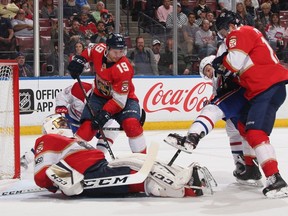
(66,178)
(153,188)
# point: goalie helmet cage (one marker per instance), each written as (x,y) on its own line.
(9,120)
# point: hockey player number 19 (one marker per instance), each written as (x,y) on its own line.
(122,67)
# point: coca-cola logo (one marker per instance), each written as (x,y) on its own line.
(158,98)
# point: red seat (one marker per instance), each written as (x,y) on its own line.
(44,22)
(24,43)
(45,31)
(283,14)
(45,44)
(128,42)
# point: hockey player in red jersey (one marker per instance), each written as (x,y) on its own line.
(71,102)
(74,167)
(114,93)
(264,78)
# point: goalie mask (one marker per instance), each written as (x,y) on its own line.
(204,62)
(56,124)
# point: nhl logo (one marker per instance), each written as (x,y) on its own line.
(26,101)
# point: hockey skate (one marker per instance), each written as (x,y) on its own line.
(23,162)
(251,176)
(276,187)
(240,166)
(184,143)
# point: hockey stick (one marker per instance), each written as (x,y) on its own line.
(136,178)
(174,157)
(22,191)
(93,115)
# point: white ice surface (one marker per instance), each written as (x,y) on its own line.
(213,151)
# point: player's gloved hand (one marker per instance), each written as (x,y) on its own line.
(76,66)
(100,119)
(61,109)
(218,66)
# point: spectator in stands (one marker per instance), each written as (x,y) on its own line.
(52,60)
(78,49)
(21,25)
(165,64)
(82,2)
(156,47)
(283,4)
(225,5)
(202,15)
(25,70)
(99,7)
(100,36)
(201,6)
(28,12)
(275,6)
(108,19)
(250,8)
(87,27)
(151,8)
(210,17)
(70,9)
(7,9)
(264,15)
(205,40)
(87,9)
(72,36)
(246,18)
(189,31)
(181,19)
(163,11)
(143,59)
(185,7)
(275,33)
(7,39)
(49,9)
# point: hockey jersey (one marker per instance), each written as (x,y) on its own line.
(72,97)
(51,148)
(250,55)
(112,81)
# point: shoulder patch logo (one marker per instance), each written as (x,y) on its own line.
(125,86)
(232,42)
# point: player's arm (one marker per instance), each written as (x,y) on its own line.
(63,99)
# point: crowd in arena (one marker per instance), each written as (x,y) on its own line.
(90,22)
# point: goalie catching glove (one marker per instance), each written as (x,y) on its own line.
(76,66)
(100,119)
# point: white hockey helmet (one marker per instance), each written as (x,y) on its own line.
(205,61)
(56,124)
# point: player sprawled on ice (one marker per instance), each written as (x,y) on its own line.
(70,102)
(264,79)
(76,168)
(113,94)
(227,103)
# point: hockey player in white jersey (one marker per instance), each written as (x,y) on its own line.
(70,102)
(227,103)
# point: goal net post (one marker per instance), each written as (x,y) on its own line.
(9,120)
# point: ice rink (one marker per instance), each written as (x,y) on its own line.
(213,151)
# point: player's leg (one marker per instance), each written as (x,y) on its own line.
(259,124)
(129,119)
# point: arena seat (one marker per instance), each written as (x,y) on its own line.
(24,43)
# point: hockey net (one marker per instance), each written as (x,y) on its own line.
(9,120)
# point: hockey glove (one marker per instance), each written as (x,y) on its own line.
(100,119)
(218,66)
(76,66)
(61,109)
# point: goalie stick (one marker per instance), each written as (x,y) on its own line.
(136,178)
(92,114)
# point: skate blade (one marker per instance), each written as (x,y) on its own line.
(250,182)
(273,194)
(173,142)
